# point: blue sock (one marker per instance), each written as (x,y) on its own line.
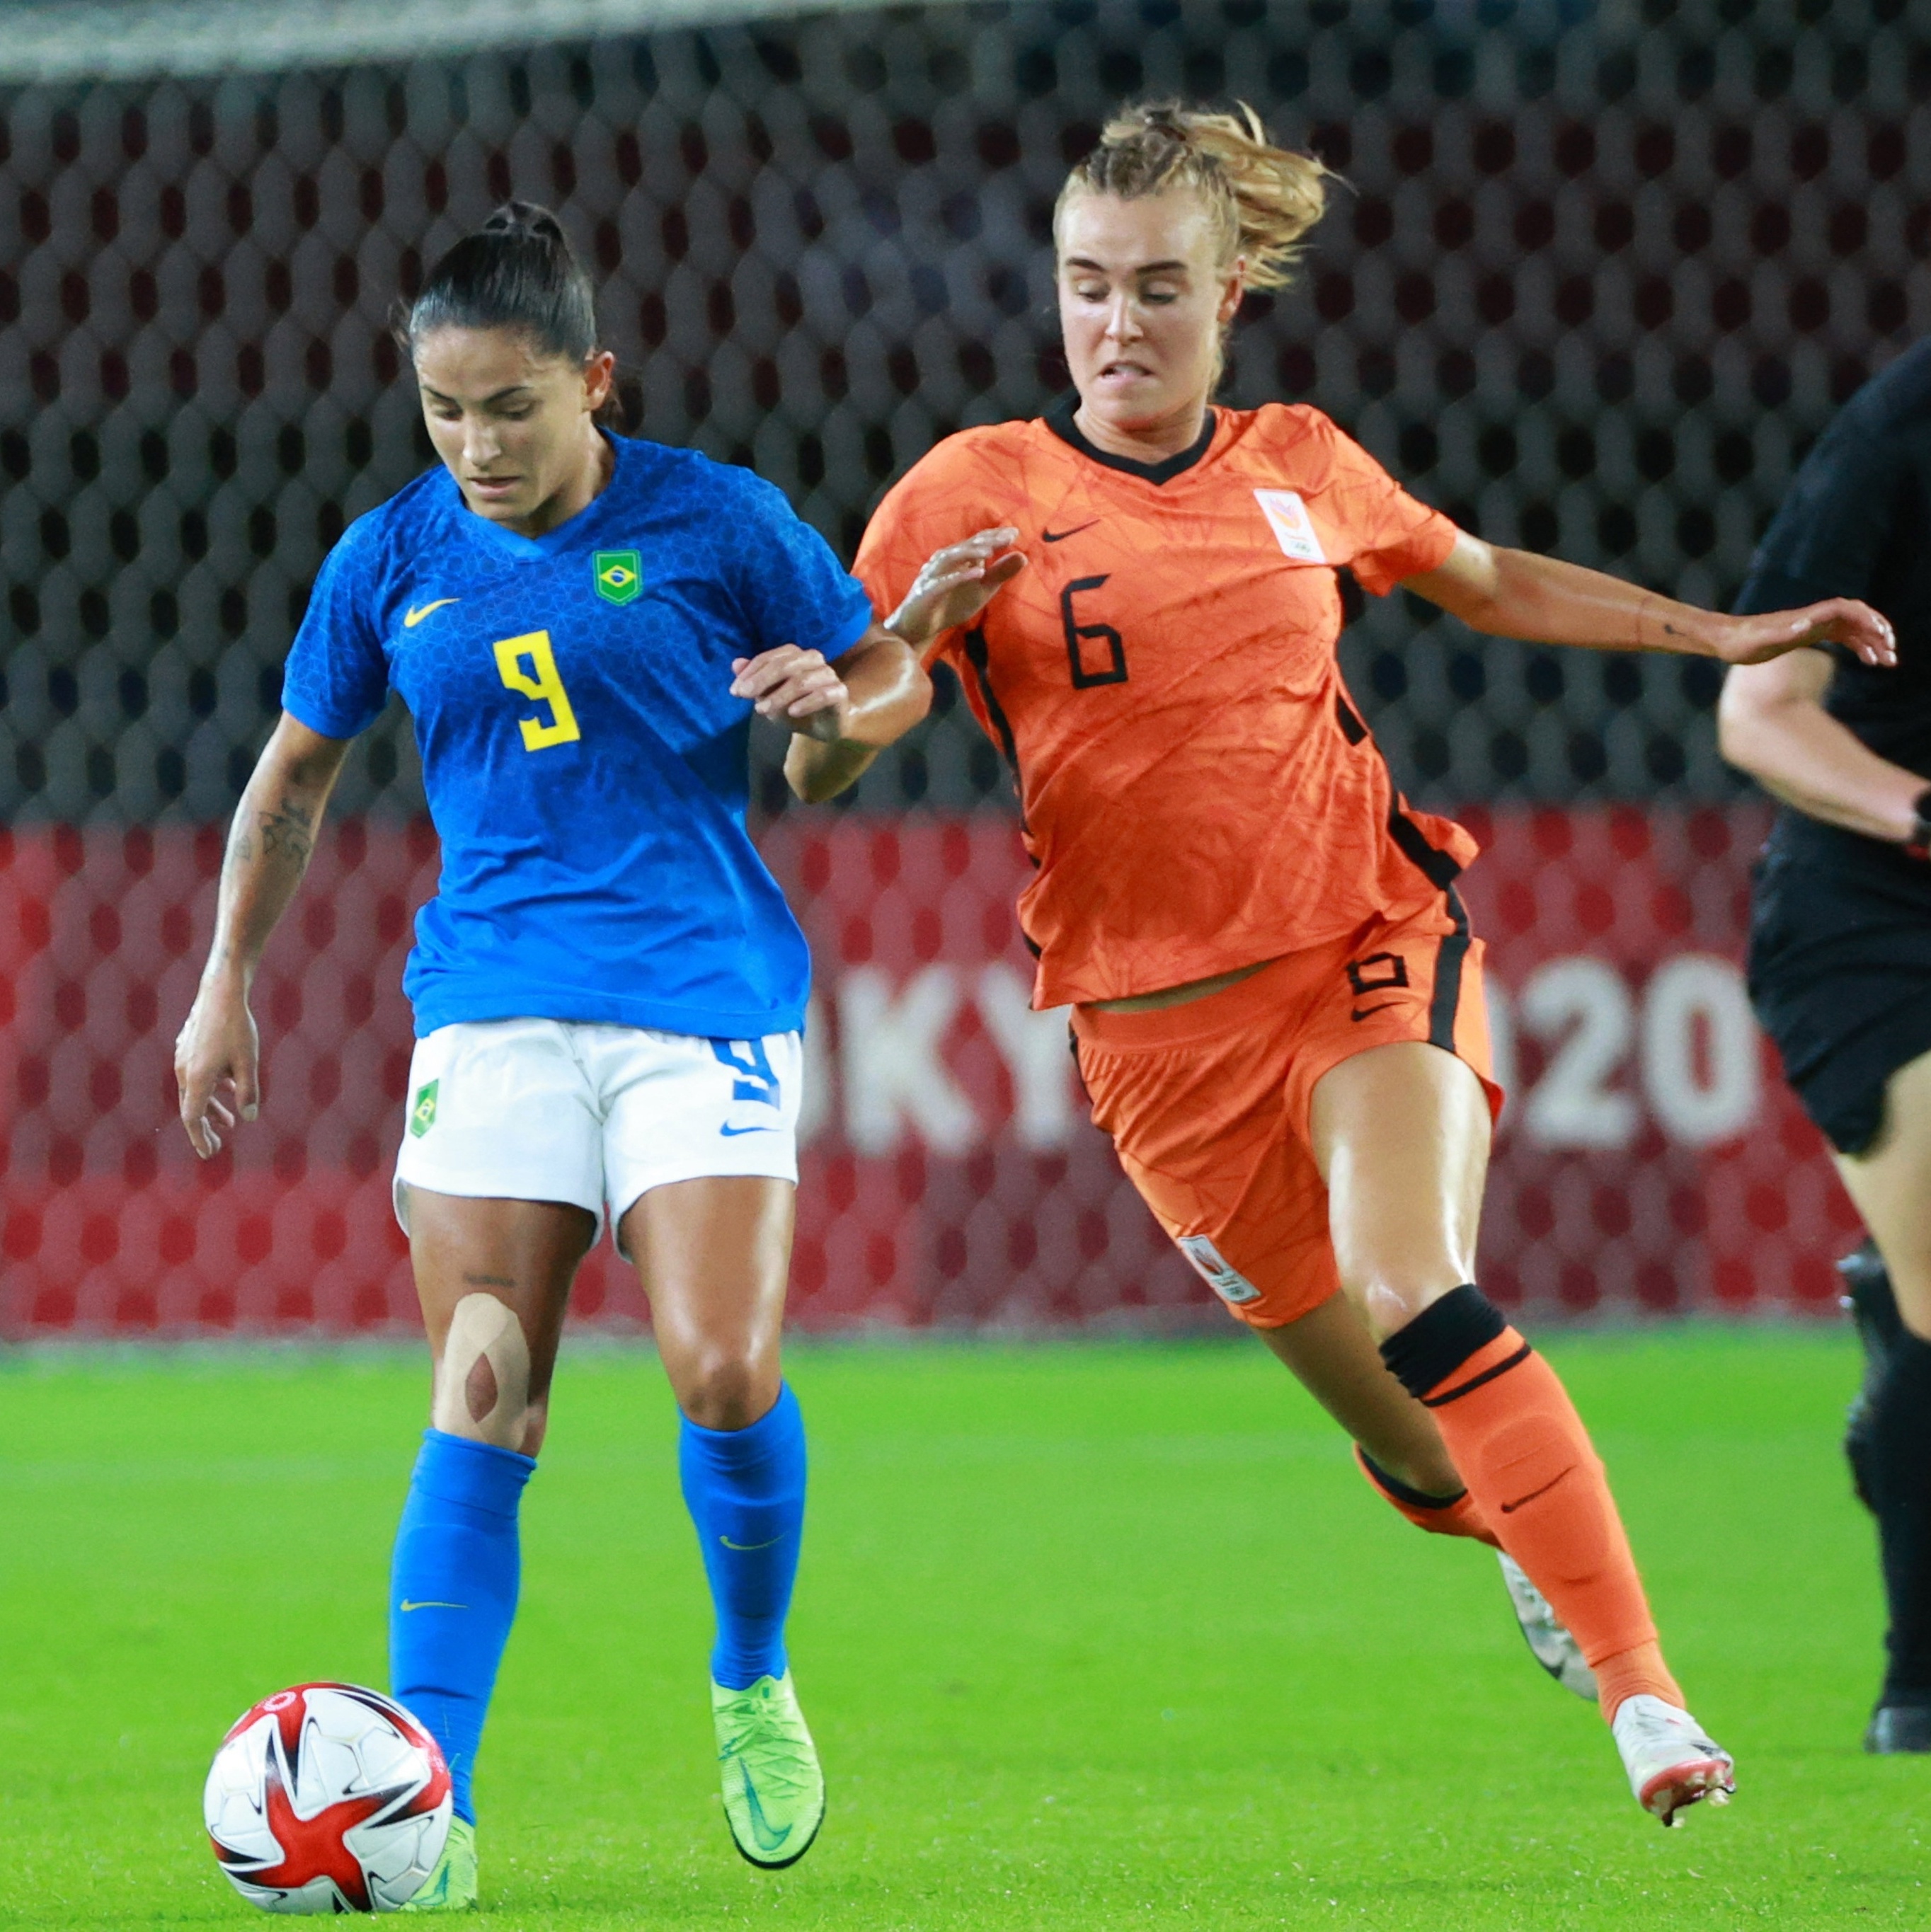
(453,1592)
(746,1491)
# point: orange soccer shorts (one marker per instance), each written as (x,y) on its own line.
(1208,1103)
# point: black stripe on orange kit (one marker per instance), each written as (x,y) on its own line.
(1446,1003)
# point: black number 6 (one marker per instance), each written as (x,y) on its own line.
(1083,679)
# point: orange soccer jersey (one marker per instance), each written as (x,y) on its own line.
(1199,794)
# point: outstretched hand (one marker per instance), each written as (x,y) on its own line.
(217,1066)
(1866,634)
(956,584)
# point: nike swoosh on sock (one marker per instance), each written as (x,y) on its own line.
(1509,1509)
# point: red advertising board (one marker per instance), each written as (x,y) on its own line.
(1650,1158)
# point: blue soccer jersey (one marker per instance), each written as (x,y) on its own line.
(586,765)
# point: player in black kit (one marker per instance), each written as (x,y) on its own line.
(1840,937)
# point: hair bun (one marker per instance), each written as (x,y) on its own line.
(525,218)
(1263,198)
(517,271)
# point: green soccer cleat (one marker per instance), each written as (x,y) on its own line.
(452,1886)
(773,1789)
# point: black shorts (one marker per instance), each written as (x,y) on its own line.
(1840,972)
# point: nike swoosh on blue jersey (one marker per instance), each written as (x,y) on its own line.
(747,1130)
(413,617)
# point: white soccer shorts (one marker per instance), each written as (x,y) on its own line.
(559,1110)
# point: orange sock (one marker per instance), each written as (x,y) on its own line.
(1521,1448)
(1630,1673)
(1440,1516)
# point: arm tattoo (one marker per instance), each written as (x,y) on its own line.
(287,829)
(1650,611)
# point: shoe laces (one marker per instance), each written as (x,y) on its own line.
(769,1741)
(1648,1723)
(1531,1605)
(1538,1606)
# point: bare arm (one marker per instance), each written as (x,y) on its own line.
(1771,722)
(217,1057)
(892,692)
(1515,593)
(841,716)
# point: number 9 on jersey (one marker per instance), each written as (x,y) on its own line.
(544,683)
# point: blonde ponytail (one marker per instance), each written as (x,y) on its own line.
(1263,198)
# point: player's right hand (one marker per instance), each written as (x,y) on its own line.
(1866,633)
(956,584)
(217,1065)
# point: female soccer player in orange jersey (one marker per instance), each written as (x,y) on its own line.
(1277,999)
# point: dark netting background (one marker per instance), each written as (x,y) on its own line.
(1594,291)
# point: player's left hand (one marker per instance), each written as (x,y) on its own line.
(795,689)
(1866,634)
(956,583)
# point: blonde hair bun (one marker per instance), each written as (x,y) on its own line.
(1265,199)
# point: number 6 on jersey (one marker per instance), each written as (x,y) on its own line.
(546,686)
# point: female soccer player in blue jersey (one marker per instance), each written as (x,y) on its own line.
(608,986)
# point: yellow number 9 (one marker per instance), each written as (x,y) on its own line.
(546,686)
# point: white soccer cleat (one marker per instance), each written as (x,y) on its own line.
(1671,1763)
(1548,1639)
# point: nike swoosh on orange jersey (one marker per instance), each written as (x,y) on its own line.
(1362,1012)
(1060,536)
(410,619)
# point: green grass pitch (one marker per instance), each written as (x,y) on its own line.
(1103,1636)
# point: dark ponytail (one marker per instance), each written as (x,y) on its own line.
(517,271)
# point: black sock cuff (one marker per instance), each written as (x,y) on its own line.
(1423,1354)
(1412,1498)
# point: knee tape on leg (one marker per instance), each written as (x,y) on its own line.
(482,1384)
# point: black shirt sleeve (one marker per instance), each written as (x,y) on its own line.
(1857,523)
(1826,540)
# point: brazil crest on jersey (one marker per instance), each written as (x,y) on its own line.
(585,763)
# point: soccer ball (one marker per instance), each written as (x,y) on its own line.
(327,1798)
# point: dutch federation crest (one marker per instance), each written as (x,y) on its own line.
(620,575)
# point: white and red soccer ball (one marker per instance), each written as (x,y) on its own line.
(328,1799)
